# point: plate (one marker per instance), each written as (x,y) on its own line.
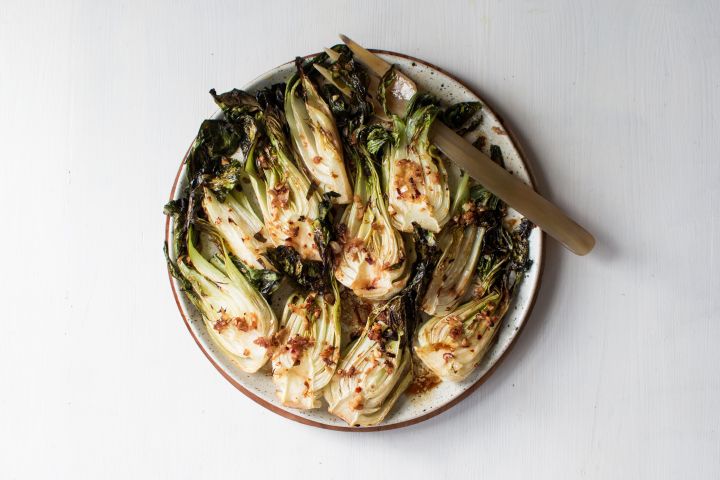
(411,408)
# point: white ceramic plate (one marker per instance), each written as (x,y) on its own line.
(410,408)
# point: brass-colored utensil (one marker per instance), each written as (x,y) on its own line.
(479,166)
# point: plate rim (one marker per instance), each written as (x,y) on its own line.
(443,408)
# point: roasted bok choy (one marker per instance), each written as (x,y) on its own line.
(375,371)
(270,178)
(288,200)
(414,174)
(460,242)
(315,135)
(309,348)
(453,344)
(345,89)
(215,170)
(372,260)
(236,315)
(377,367)
(240,227)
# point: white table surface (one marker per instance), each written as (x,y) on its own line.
(617,374)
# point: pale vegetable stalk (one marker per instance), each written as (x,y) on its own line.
(241,228)
(372,261)
(309,351)
(377,368)
(461,242)
(415,177)
(315,136)
(454,272)
(452,345)
(372,374)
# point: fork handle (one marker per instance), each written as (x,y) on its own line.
(512,190)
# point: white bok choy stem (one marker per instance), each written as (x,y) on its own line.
(461,242)
(377,367)
(452,345)
(315,136)
(414,174)
(372,261)
(309,349)
(240,227)
(375,370)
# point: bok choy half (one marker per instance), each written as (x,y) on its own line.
(289,202)
(461,241)
(453,344)
(372,260)
(215,170)
(236,315)
(309,348)
(273,194)
(377,367)
(414,174)
(315,135)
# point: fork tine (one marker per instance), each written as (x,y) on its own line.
(328,76)
(332,54)
(377,65)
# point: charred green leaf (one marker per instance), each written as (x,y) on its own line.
(460,115)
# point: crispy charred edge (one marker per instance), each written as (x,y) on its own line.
(216,140)
(350,113)
(463,117)
(504,259)
(482,208)
(308,274)
(420,101)
(265,281)
(208,163)
(185,285)
(371,142)
(300,72)
(271,99)
(400,314)
(427,255)
(178,210)
(235,104)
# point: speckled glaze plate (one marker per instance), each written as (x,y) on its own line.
(410,408)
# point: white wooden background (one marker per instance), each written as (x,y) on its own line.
(618,372)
